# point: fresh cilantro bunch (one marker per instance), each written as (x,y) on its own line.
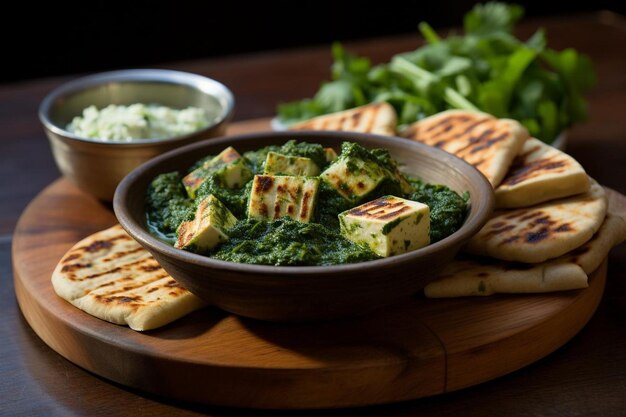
(486,69)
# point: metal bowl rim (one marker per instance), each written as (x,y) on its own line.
(224,97)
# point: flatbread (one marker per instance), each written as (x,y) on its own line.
(538,174)
(475,276)
(377,118)
(112,277)
(541,232)
(590,255)
(488,143)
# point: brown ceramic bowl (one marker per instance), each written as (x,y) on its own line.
(288,293)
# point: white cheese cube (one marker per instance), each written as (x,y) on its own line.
(279,164)
(354,178)
(227,156)
(228,165)
(274,196)
(235,175)
(207,229)
(388,225)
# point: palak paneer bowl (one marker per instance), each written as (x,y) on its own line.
(320,292)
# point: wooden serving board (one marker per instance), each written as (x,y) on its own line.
(419,348)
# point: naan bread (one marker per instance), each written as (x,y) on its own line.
(110,276)
(542,232)
(488,143)
(472,276)
(590,255)
(540,173)
(377,118)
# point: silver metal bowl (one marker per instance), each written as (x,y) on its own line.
(97,166)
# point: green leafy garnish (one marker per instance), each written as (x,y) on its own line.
(486,69)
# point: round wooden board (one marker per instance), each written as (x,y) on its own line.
(416,349)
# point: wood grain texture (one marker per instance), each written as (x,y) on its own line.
(416,349)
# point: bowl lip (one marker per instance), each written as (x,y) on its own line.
(206,85)
(484,203)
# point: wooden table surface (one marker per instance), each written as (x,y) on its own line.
(585,377)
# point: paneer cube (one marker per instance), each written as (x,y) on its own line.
(235,175)
(228,165)
(207,229)
(274,196)
(354,178)
(388,225)
(279,164)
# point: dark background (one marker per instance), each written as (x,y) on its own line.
(55,38)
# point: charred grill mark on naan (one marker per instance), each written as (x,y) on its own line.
(487,143)
(540,173)
(539,226)
(101,244)
(70,258)
(121,299)
(74,267)
(74,270)
(492,134)
(542,232)
(150,268)
(122,254)
(122,286)
(127,267)
(565,227)
(446,123)
(112,277)
(372,118)
(521,172)
(442,133)
(478,276)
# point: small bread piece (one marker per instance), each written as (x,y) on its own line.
(112,277)
(473,276)
(488,143)
(542,232)
(377,118)
(538,174)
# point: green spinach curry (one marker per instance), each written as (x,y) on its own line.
(300,204)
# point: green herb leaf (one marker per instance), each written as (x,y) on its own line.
(492,17)
(488,69)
